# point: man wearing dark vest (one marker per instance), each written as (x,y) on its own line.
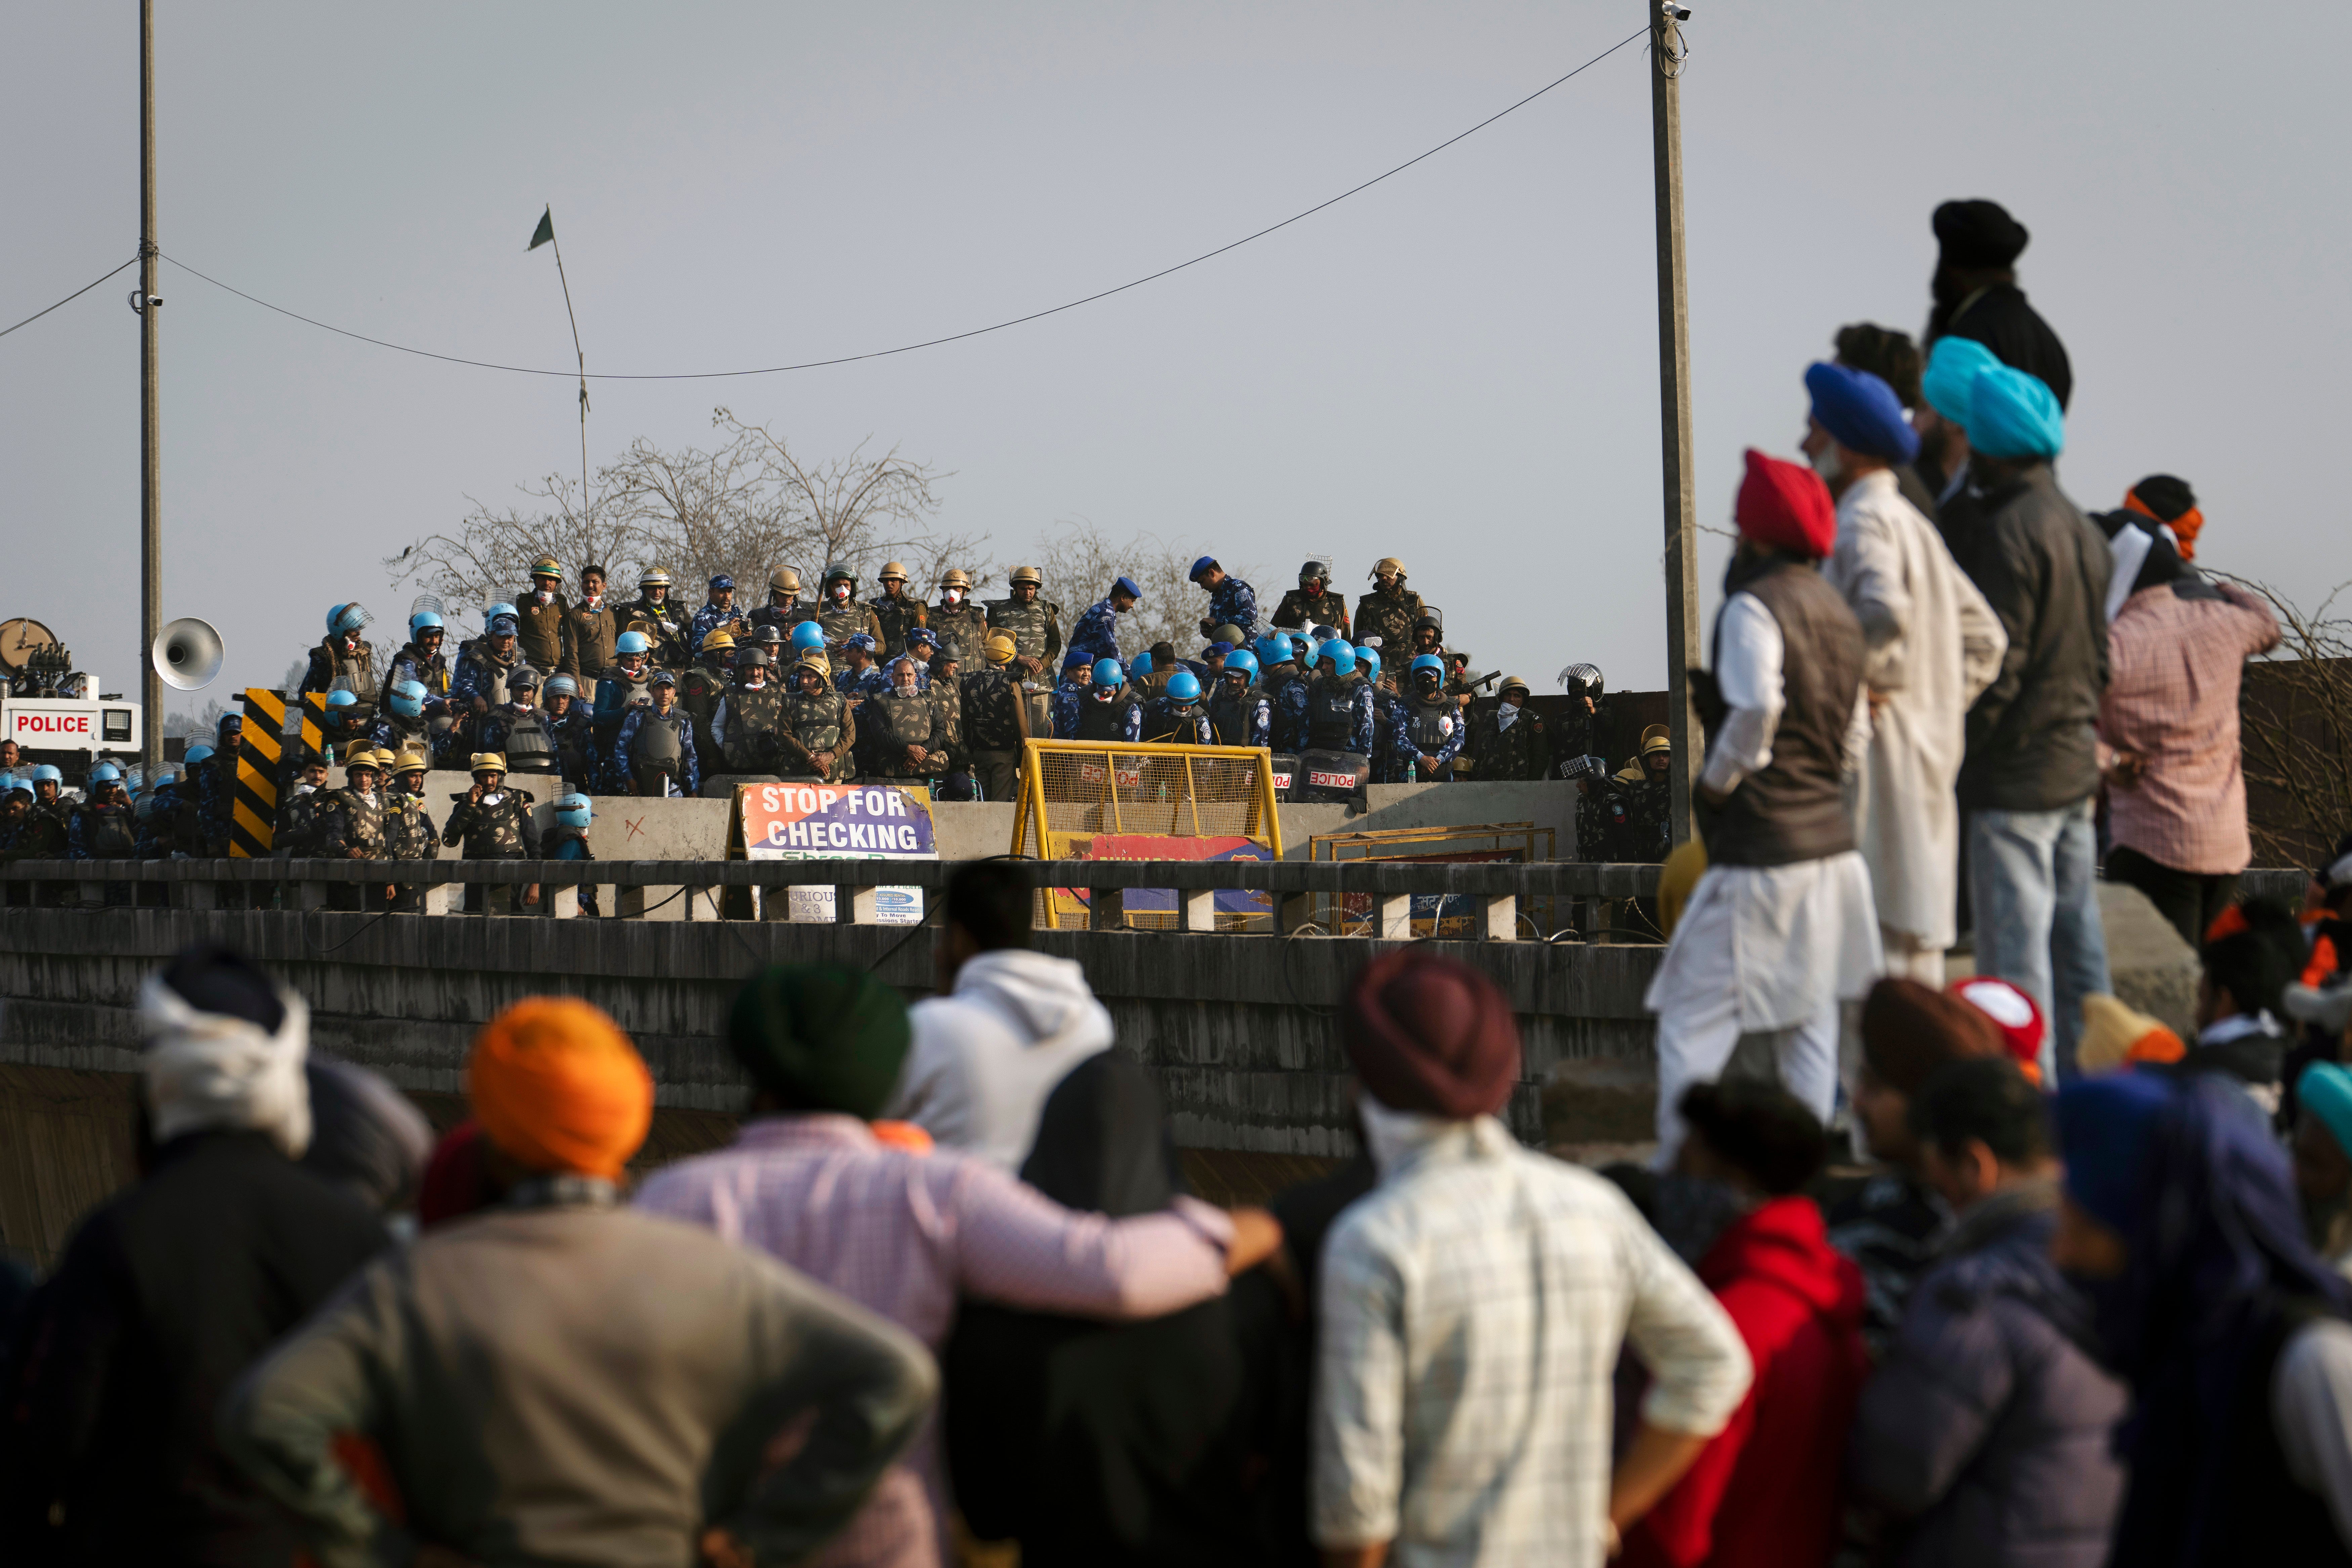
(654,751)
(819,732)
(1108,710)
(750,718)
(519,729)
(996,720)
(1781,928)
(905,734)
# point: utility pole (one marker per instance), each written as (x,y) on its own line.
(1675,406)
(151,467)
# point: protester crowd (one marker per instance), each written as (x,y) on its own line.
(2089,1300)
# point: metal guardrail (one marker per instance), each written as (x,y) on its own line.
(307,884)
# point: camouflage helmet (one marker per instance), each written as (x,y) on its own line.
(892,570)
(957,577)
(547,566)
(784,580)
(1388,563)
(1029,574)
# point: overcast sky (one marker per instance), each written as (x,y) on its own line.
(1458,366)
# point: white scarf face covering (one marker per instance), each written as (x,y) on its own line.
(214,1070)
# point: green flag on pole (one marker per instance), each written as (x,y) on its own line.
(545,232)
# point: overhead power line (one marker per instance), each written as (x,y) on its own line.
(928,343)
(68,299)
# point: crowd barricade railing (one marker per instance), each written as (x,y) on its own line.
(696,889)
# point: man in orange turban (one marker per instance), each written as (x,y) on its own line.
(558,1089)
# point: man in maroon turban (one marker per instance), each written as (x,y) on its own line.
(1474,1303)
(1781,928)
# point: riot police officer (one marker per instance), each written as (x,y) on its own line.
(654,752)
(1149,670)
(1392,748)
(749,718)
(1580,731)
(1108,710)
(350,827)
(1239,714)
(717,611)
(1312,602)
(839,611)
(344,662)
(996,719)
(300,803)
(402,725)
(1336,705)
(1432,722)
(490,821)
(520,732)
(701,690)
(539,615)
(167,820)
(408,830)
(486,666)
(1428,635)
(895,610)
(344,724)
(420,659)
(961,623)
(1033,623)
(654,615)
(1511,743)
(216,775)
(628,684)
(1177,716)
(904,735)
(567,839)
(1097,633)
(820,734)
(859,677)
(566,718)
(783,609)
(1232,602)
(103,826)
(1389,611)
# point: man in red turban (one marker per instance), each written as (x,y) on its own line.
(1781,928)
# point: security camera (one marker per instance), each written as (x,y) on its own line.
(1676,12)
(140,302)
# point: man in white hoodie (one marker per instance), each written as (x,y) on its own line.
(1006,1026)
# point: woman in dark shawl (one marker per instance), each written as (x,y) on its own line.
(2180,1219)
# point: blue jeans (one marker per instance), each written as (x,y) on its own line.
(2033,879)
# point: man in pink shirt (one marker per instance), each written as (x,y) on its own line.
(906,1234)
(2177,646)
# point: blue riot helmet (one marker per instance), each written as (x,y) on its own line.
(7,781)
(345,620)
(574,811)
(18,782)
(1142,665)
(808,637)
(1342,657)
(1243,663)
(339,699)
(1304,650)
(47,773)
(632,642)
(493,612)
(1185,687)
(1368,661)
(505,626)
(1272,649)
(424,621)
(1429,663)
(195,753)
(1109,676)
(406,699)
(105,774)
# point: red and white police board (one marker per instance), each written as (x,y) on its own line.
(49,724)
(840,822)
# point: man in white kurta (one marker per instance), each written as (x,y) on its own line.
(1781,926)
(1932,645)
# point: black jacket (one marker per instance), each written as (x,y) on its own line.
(2044,568)
(1999,317)
(166,1293)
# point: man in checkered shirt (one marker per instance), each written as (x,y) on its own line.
(1472,1309)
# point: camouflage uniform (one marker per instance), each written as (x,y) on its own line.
(1097,633)
(946,707)
(1034,627)
(783,619)
(44,832)
(1333,714)
(356,669)
(841,622)
(699,692)
(860,684)
(664,627)
(901,720)
(1302,609)
(709,619)
(575,745)
(1288,703)
(1522,751)
(991,704)
(431,673)
(351,825)
(296,832)
(1065,705)
(1389,618)
(408,832)
(896,615)
(1433,728)
(395,734)
(822,722)
(502,830)
(1391,749)
(963,630)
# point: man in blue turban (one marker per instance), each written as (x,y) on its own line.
(2031,769)
(1931,644)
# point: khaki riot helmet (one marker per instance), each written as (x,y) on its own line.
(547,566)
(717,638)
(999,648)
(892,572)
(489,762)
(784,580)
(957,577)
(1029,574)
(1657,738)
(1513,683)
(411,762)
(1388,563)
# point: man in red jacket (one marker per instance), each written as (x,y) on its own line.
(1765,1491)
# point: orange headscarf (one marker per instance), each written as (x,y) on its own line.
(2184,527)
(556,1085)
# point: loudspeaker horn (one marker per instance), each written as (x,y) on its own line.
(187,654)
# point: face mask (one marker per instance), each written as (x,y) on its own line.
(544,596)
(953,597)
(841,593)
(593,600)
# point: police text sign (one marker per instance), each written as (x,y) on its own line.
(835,822)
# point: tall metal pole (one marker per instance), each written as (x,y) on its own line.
(1675,406)
(150,466)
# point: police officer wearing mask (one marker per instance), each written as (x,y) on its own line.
(1033,623)
(717,611)
(839,612)
(1312,602)
(1392,748)
(566,718)
(820,734)
(783,609)
(996,719)
(1239,714)
(654,614)
(748,719)
(1177,716)
(590,625)
(1580,732)
(1511,742)
(1389,611)
(701,690)
(1232,602)
(486,666)
(300,807)
(408,830)
(343,661)
(1108,710)
(351,827)
(654,751)
(896,610)
(904,734)
(491,822)
(1336,704)
(540,615)
(103,828)
(520,732)
(961,623)
(1433,727)
(628,684)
